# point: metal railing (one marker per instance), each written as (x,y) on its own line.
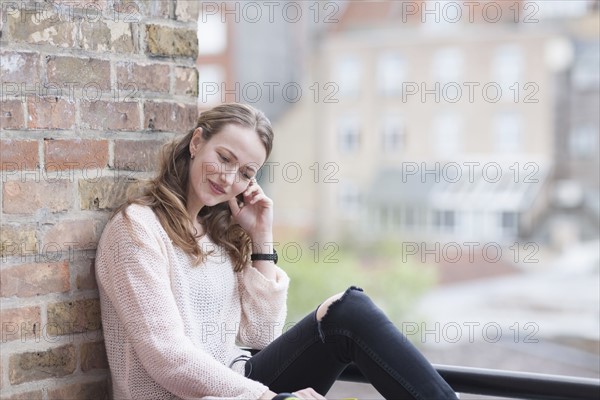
(502,383)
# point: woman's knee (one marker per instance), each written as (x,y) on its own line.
(324,307)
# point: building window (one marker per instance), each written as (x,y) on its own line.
(211,78)
(349,135)
(390,74)
(448,134)
(508,133)
(212,32)
(348,75)
(349,199)
(507,67)
(444,220)
(583,141)
(509,223)
(448,65)
(394,138)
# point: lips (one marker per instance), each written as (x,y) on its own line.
(216,188)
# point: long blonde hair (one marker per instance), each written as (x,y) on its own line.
(166,194)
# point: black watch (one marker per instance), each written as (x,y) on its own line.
(284,396)
(267,257)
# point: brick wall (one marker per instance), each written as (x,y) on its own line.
(89,91)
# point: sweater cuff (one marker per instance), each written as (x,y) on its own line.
(254,279)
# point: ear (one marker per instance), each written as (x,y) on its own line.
(196,141)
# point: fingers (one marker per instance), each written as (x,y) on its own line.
(255,193)
(233,206)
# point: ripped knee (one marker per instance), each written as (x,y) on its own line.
(322,310)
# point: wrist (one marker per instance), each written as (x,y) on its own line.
(263,243)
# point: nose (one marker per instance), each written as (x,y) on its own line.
(226,178)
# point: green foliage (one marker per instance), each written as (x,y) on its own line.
(319,273)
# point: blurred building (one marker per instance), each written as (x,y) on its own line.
(436,124)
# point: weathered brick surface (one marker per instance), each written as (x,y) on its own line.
(35,279)
(187,10)
(79,73)
(169,42)
(11,115)
(41,27)
(186,81)
(79,391)
(67,235)
(102,115)
(29,196)
(150,8)
(22,324)
(71,154)
(165,116)
(93,356)
(106,193)
(32,366)
(16,240)
(137,155)
(151,77)
(73,317)
(20,67)
(19,155)
(50,113)
(78,94)
(106,35)
(33,395)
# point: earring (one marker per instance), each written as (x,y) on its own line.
(191,156)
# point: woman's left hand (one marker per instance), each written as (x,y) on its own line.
(255,215)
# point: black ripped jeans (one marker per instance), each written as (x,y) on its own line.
(354,329)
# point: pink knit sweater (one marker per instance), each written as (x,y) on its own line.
(171,329)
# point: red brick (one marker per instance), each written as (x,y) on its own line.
(186,81)
(11,114)
(33,366)
(68,235)
(82,390)
(152,77)
(35,279)
(73,317)
(50,113)
(79,72)
(86,276)
(93,356)
(171,117)
(29,197)
(69,154)
(137,155)
(20,324)
(19,155)
(103,115)
(18,67)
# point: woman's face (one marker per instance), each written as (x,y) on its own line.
(223,166)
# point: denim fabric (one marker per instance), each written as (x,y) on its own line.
(313,354)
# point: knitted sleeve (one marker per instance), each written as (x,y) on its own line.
(264,307)
(133,274)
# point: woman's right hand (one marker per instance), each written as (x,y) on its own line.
(308,394)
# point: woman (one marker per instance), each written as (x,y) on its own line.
(187,270)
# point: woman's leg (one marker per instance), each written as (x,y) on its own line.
(351,329)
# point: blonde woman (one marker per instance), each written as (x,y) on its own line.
(187,272)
